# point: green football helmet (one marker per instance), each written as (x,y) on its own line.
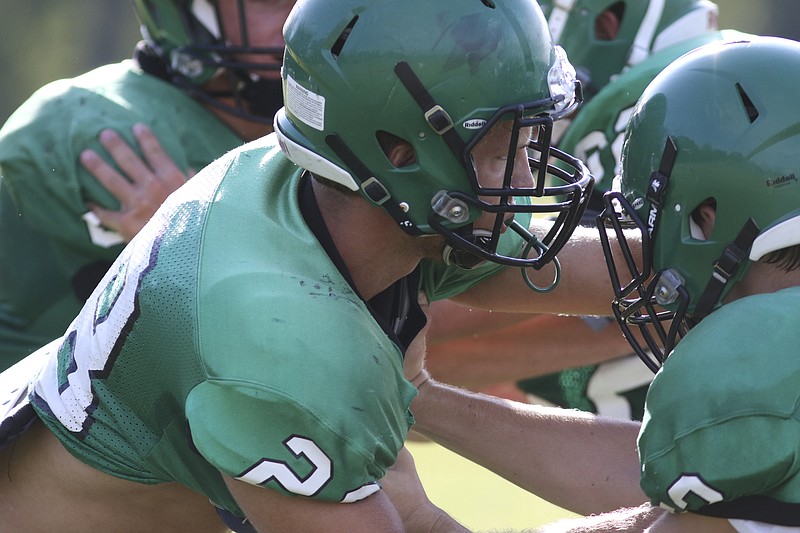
(438,76)
(713,128)
(645,27)
(187,41)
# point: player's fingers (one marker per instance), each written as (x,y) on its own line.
(157,159)
(134,167)
(126,223)
(107,175)
(108,218)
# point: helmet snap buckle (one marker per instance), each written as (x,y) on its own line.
(187,64)
(375,191)
(667,287)
(452,209)
(438,119)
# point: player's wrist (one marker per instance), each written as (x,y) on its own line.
(421,378)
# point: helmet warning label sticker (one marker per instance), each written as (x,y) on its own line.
(307,106)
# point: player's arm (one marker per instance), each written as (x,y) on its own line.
(404,488)
(452,321)
(680,523)
(534,346)
(584,288)
(576,460)
(584,463)
(638,519)
(139,183)
(271,511)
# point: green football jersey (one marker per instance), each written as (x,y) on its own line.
(595,136)
(51,255)
(225,339)
(721,434)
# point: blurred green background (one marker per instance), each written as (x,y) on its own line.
(44,40)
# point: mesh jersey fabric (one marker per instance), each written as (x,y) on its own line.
(225,339)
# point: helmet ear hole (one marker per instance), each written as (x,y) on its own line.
(608,22)
(701,220)
(398,151)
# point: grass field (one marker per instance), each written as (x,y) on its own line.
(476,497)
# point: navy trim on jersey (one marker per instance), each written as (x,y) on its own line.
(19,420)
(234,523)
(756,507)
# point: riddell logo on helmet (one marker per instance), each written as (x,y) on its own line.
(474,124)
(781,181)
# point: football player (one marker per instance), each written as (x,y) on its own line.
(617,47)
(709,193)
(245,351)
(204,79)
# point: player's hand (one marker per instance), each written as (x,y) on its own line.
(404,489)
(143,183)
(414,360)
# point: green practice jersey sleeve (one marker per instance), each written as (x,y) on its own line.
(266,437)
(722,422)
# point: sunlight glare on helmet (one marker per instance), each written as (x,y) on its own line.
(561,79)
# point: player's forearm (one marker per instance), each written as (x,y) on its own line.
(539,345)
(584,288)
(630,520)
(432,519)
(451,321)
(575,460)
(642,518)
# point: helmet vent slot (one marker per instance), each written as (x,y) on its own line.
(339,44)
(749,107)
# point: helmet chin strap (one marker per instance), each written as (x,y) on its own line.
(260,107)
(467,260)
(733,257)
(206,14)
(463,258)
